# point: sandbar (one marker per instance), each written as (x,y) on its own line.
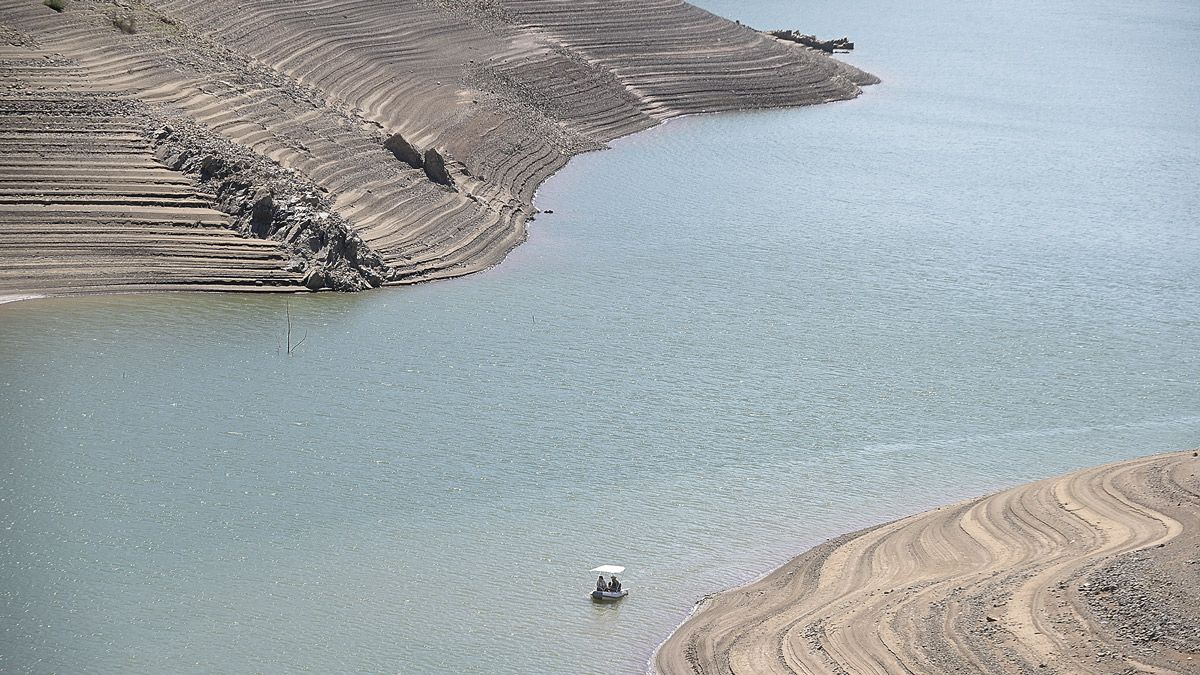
(1094,571)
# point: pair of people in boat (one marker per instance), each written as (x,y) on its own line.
(610,587)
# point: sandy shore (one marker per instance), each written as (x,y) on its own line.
(226,145)
(16,297)
(1095,571)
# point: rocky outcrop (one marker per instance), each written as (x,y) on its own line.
(266,201)
(262,213)
(431,161)
(404,151)
(435,168)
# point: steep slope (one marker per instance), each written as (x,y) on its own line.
(502,92)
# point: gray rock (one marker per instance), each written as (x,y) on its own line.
(261,216)
(404,151)
(315,280)
(435,168)
(266,201)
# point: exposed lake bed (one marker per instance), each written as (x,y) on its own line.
(735,337)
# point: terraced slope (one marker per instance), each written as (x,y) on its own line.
(84,205)
(1091,572)
(505,91)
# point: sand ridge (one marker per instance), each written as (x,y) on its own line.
(1026,580)
(505,90)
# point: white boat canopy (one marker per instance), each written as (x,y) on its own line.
(609,569)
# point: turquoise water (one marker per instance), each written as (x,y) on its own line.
(736,336)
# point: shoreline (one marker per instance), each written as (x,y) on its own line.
(6,298)
(1036,577)
(325,159)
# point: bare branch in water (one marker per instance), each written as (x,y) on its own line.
(292,347)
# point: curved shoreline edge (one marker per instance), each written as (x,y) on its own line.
(1093,571)
(336,144)
(18,297)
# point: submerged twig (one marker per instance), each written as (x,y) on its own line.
(287,306)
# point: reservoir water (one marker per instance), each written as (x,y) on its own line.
(736,336)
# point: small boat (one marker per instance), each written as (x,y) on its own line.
(609,595)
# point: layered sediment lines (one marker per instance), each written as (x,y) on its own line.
(84,205)
(1095,571)
(505,90)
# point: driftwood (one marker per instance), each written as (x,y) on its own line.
(842,44)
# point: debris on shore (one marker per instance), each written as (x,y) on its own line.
(842,44)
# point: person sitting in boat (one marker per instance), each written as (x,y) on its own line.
(601,585)
(615,585)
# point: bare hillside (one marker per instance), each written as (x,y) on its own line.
(338,143)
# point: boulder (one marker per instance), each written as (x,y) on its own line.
(404,151)
(262,214)
(435,168)
(315,280)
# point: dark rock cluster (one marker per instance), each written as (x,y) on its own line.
(842,44)
(435,168)
(404,151)
(432,160)
(267,201)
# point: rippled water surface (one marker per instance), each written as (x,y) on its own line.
(736,336)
